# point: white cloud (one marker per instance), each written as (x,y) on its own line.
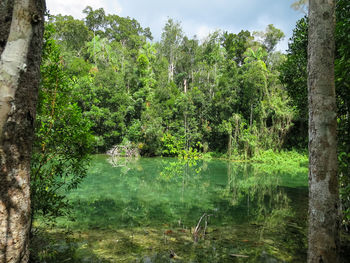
(200,30)
(203,31)
(75,8)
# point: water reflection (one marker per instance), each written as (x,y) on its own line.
(255,210)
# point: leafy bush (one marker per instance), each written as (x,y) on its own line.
(63,139)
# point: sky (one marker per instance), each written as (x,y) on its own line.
(197,17)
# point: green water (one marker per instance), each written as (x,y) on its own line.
(148,210)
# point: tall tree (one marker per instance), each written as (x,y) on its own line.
(323,181)
(270,37)
(71,33)
(236,44)
(172,36)
(21,33)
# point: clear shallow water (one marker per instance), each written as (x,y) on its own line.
(149,209)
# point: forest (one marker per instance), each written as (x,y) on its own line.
(231,97)
(105,84)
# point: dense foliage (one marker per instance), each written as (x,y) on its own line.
(221,94)
(63,139)
(229,93)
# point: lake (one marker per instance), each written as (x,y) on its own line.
(168,210)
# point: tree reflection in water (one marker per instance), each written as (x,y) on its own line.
(255,210)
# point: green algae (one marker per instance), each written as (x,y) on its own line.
(145,213)
(140,244)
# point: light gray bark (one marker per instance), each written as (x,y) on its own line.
(14,57)
(323,181)
(21,32)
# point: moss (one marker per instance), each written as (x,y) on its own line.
(145,244)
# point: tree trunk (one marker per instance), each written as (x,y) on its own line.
(323,181)
(251,117)
(21,34)
(229,144)
(185,126)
